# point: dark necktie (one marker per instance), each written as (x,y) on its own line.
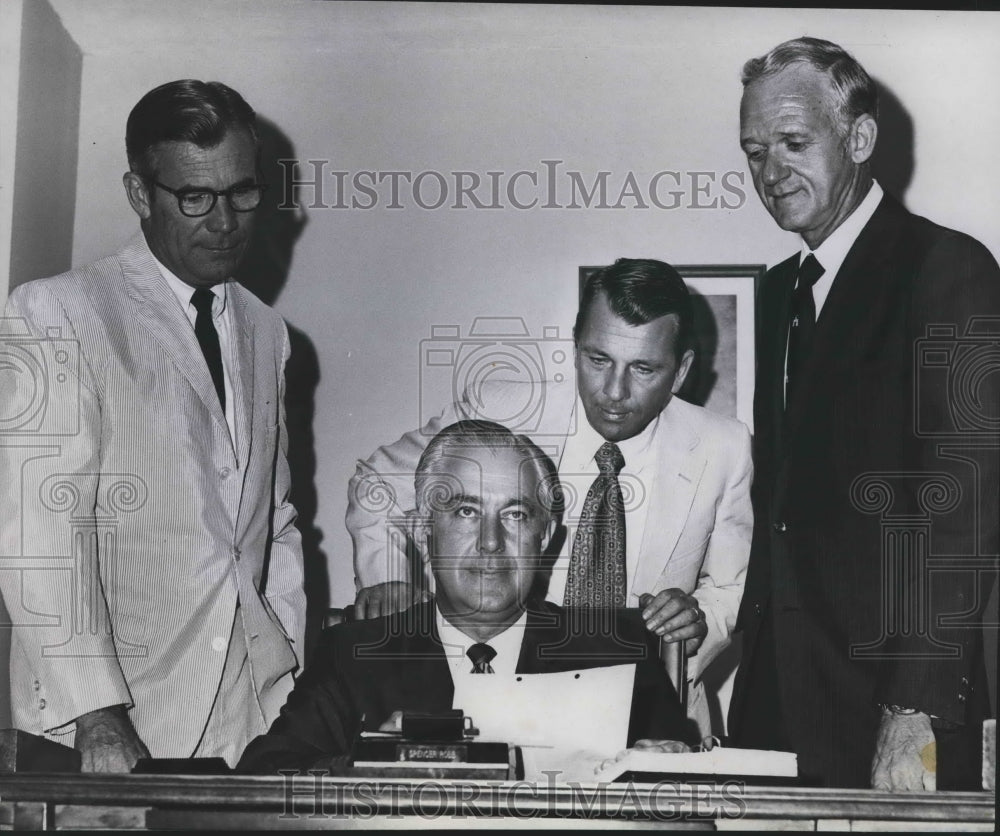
(481,655)
(800,332)
(597,565)
(208,339)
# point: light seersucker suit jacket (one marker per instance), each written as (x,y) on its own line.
(698,525)
(129,525)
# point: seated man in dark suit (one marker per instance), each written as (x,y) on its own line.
(487,505)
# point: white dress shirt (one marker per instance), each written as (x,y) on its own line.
(220,316)
(472,689)
(832,252)
(577,471)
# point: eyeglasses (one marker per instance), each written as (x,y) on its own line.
(194,203)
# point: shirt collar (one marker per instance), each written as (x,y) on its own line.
(634,450)
(183,291)
(832,252)
(506,644)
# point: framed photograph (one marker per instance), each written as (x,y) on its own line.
(722,378)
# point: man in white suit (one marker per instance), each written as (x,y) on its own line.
(153,570)
(685,481)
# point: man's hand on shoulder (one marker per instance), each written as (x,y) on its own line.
(905,754)
(675,616)
(387,598)
(107,741)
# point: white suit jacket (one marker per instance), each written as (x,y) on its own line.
(128,523)
(699,521)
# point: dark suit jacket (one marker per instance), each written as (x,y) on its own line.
(372,668)
(884,451)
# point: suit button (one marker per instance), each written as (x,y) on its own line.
(41,704)
(961,697)
(37,685)
(965,681)
(757,609)
(224,473)
(780,527)
(236,554)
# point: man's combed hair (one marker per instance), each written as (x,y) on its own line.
(640,290)
(200,112)
(457,439)
(856,92)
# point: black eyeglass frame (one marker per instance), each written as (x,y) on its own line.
(180,194)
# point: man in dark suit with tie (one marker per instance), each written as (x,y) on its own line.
(487,504)
(876,416)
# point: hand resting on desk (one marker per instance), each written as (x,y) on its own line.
(670,747)
(107,741)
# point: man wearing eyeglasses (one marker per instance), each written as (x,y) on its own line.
(153,490)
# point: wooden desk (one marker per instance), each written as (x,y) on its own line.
(56,801)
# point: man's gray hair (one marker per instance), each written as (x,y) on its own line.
(856,92)
(433,493)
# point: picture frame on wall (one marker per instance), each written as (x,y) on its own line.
(723,295)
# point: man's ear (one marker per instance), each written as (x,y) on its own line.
(550,530)
(861,141)
(418,527)
(682,371)
(138,194)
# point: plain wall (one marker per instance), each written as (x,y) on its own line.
(11,15)
(48,107)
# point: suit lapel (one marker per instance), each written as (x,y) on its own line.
(156,308)
(420,640)
(674,484)
(784,284)
(863,278)
(243,358)
(541,628)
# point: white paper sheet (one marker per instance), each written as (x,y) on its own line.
(587,709)
(719,761)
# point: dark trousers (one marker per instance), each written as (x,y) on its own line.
(761,725)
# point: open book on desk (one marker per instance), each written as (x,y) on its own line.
(757,766)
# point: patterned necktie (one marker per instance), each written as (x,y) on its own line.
(597,566)
(481,655)
(800,333)
(208,339)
